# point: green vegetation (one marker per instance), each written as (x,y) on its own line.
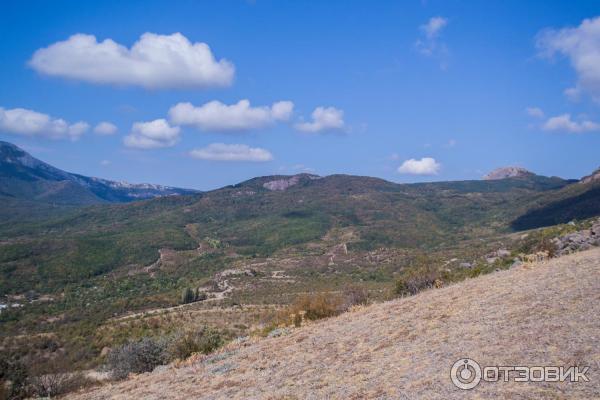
(82,276)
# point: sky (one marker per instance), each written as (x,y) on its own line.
(202,94)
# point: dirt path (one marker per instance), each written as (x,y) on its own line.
(545,314)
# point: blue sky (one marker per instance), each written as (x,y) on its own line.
(458,87)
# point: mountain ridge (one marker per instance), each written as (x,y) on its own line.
(24,176)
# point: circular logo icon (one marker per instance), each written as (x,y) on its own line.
(465,373)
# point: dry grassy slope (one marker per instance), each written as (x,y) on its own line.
(547,314)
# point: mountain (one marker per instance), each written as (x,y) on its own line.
(261,217)
(24,177)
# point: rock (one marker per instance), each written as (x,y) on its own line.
(503,253)
(491,260)
(278,332)
(595,176)
(465,265)
(517,263)
(507,172)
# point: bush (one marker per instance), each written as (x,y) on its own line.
(414,284)
(420,275)
(190,295)
(201,341)
(13,378)
(317,306)
(148,353)
(137,357)
(355,295)
(50,385)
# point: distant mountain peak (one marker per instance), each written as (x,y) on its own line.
(593,177)
(508,172)
(24,176)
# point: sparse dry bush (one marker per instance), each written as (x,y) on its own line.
(355,295)
(546,245)
(203,341)
(137,357)
(317,306)
(420,275)
(13,378)
(50,385)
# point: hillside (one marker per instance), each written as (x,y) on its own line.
(252,220)
(23,177)
(541,314)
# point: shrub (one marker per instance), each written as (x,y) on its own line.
(190,295)
(203,341)
(546,245)
(50,385)
(355,295)
(420,275)
(137,357)
(414,284)
(317,306)
(13,378)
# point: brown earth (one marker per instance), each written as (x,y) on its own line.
(542,314)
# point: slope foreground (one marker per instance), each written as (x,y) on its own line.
(542,314)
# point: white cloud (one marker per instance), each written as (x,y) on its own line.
(581,45)
(424,166)
(429,44)
(152,135)
(231,152)
(105,128)
(323,119)
(21,121)
(154,61)
(216,116)
(566,124)
(534,112)
(434,26)
(573,93)
(105,163)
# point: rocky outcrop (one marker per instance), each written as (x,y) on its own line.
(577,241)
(507,172)
(594,177)
(282,184)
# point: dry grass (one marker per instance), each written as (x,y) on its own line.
(546,314)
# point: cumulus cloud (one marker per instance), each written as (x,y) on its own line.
(231,152)
(564,123)
(424,166)
(152,135)
(21,121)
(429,44)
(323,119)
(105,128)
(534,112)
(241,116)
(581,45)
(154,61)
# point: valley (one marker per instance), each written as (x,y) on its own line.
(83,280)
